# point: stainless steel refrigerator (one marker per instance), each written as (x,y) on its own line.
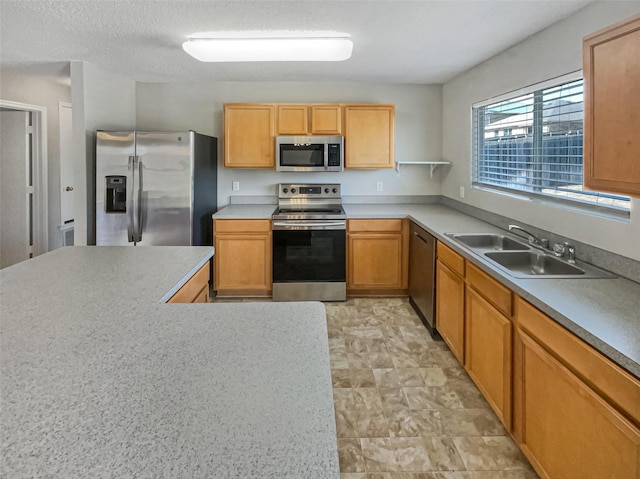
(155,188)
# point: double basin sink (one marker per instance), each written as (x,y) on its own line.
(521,260)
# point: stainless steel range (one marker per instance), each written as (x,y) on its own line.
(309,243)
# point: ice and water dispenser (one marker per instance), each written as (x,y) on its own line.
(116,199)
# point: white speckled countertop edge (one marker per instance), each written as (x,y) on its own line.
(602,312)
(187,276)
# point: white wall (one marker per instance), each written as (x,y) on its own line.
(101,101)
(43,90)
(198,106)
(548,54)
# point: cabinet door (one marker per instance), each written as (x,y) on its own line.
(488,353)
(450,309)
(375,261)
(611,66)
(196,290)
(292,120)
(568,430)
(326,120)
(369,136)
(249,136)
(242,264)
(242,259)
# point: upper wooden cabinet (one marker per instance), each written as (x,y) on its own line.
(321,119)
(611,66)
(369,136)
(250,130)
(293,120)
(326,119)
(248,135)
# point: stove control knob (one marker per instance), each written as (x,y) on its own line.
(326,190)
(293,190)
(335,190)
(285,190)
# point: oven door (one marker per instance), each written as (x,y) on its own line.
(309,252)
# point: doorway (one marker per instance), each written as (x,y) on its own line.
(65,115)
(23,182)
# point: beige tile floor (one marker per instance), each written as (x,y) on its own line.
(405,408)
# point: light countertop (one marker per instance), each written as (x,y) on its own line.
(101,378)
(246,212)
(602,312)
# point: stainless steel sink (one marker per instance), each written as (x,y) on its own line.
(528,264)
(517,258)
(488,241)
(533,263)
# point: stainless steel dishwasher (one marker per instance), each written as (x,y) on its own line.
(422,276)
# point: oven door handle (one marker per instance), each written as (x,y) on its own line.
(309,225)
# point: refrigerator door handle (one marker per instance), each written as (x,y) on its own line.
(130,204)
(137,199)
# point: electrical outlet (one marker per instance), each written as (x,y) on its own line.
(236,186)
(462,192)
(379,186)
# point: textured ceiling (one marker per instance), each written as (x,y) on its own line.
(394,41)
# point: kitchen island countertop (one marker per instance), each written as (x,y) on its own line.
(101,378)
(602,312)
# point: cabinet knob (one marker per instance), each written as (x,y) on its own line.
(69,188)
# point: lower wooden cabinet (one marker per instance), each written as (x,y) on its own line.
(378,256)
(242,258)
(569,431)
(450,308)
(473,316)
(488,347)
(196,290)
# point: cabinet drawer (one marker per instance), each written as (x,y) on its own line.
(453,260)
(196,290)
(493,291)
(611,381)
(386,226)
(241,226)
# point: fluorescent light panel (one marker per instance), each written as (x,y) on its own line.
(303,48)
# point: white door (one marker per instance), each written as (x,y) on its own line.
(66,167)
(16,190)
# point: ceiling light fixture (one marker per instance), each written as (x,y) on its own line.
(269,46)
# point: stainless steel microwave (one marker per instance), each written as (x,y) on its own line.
(309,153)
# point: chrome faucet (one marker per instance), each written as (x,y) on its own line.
(565,250)
(533,239)
(570,252)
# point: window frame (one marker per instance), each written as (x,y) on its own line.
(584,206)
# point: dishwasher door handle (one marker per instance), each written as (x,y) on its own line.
(424,240)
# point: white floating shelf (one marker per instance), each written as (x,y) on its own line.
(434,165)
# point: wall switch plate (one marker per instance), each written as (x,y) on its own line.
(462,192)
(379,186)
(236,186)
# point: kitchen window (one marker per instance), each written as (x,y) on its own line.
(529,143)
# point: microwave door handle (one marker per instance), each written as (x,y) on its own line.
(326,155)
